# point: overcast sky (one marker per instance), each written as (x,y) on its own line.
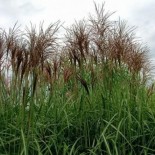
(138,13)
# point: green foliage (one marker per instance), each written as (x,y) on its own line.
(90,98)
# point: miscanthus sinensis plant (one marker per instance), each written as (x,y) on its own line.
(84,94)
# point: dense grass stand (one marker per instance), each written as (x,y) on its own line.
(84,94)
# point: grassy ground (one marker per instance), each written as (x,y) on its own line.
(88,95)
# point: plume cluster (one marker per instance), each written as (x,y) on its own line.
(97,41)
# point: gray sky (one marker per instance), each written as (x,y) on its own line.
(138,13)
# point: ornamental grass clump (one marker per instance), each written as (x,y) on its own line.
(84,94)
